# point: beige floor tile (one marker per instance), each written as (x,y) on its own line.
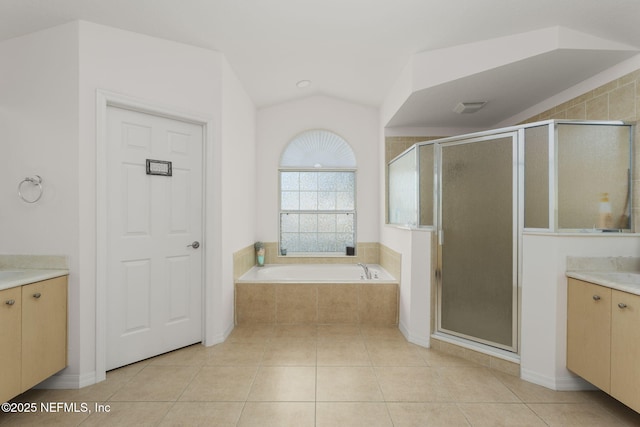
(220,384)
(278,414)
(220,414)
(156,383)
(533,393)
(130,414)
(284,383)
(338,332)
(236,354)
(289,352)
(295,331)
(390,353)
(438,358)
(332,414)
(411,384)
(229,384)
(194,355)
(348,384)
(470,384)
(43,418)
(343,353)
(129,371)
(500,415)
(626,414)
(427,414)
(371,332)
(94,393)
(256,333)
(576,414)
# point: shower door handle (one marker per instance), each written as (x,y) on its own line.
(194,245)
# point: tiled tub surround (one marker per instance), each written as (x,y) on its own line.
(367,253)
(291,300)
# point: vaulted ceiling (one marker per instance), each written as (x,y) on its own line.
(358,50)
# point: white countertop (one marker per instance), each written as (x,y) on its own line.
(625,281)
(13,277)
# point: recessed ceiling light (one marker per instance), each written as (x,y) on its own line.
(468,107)
(303,83)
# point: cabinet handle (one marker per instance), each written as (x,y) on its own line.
(37,295)
(622,305)
(10,302)
(596,297)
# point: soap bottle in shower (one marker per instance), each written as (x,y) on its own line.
(605,221)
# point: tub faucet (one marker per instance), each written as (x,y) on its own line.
(367,273)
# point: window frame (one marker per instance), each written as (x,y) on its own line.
(281,211)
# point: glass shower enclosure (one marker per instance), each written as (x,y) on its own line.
(480,192)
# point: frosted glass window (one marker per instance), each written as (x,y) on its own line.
(317,211)
(594,164)
(403,182)
(536,177)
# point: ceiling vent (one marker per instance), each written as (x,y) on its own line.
(468,107)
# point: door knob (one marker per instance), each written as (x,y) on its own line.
(194,245)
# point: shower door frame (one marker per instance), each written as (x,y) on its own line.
(517,222)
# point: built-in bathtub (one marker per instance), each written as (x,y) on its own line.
(316,293)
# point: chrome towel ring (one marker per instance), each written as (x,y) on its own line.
(35,180)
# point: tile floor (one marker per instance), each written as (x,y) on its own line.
(338,375)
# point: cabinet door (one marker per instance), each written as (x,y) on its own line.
(588,332)
(10,343)
(44,330)
(625,348)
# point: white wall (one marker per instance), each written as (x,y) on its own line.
(416,247)
(38,118)
(238,175)
(48,116)
(279,124)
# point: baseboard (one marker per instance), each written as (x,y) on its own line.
(68,381)
(415,339)
(220,338)
(572,383)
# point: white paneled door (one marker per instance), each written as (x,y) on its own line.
(154,265)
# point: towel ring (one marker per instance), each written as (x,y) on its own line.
(34,180)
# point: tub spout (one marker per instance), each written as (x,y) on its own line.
(367,273)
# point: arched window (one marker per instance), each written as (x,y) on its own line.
(317,195)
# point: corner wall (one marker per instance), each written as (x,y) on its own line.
(38,118)
(48,114)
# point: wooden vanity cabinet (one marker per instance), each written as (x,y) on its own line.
(588,332)
(603,339)
(10,343)
(33,331)
(44,330)
(625,348)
